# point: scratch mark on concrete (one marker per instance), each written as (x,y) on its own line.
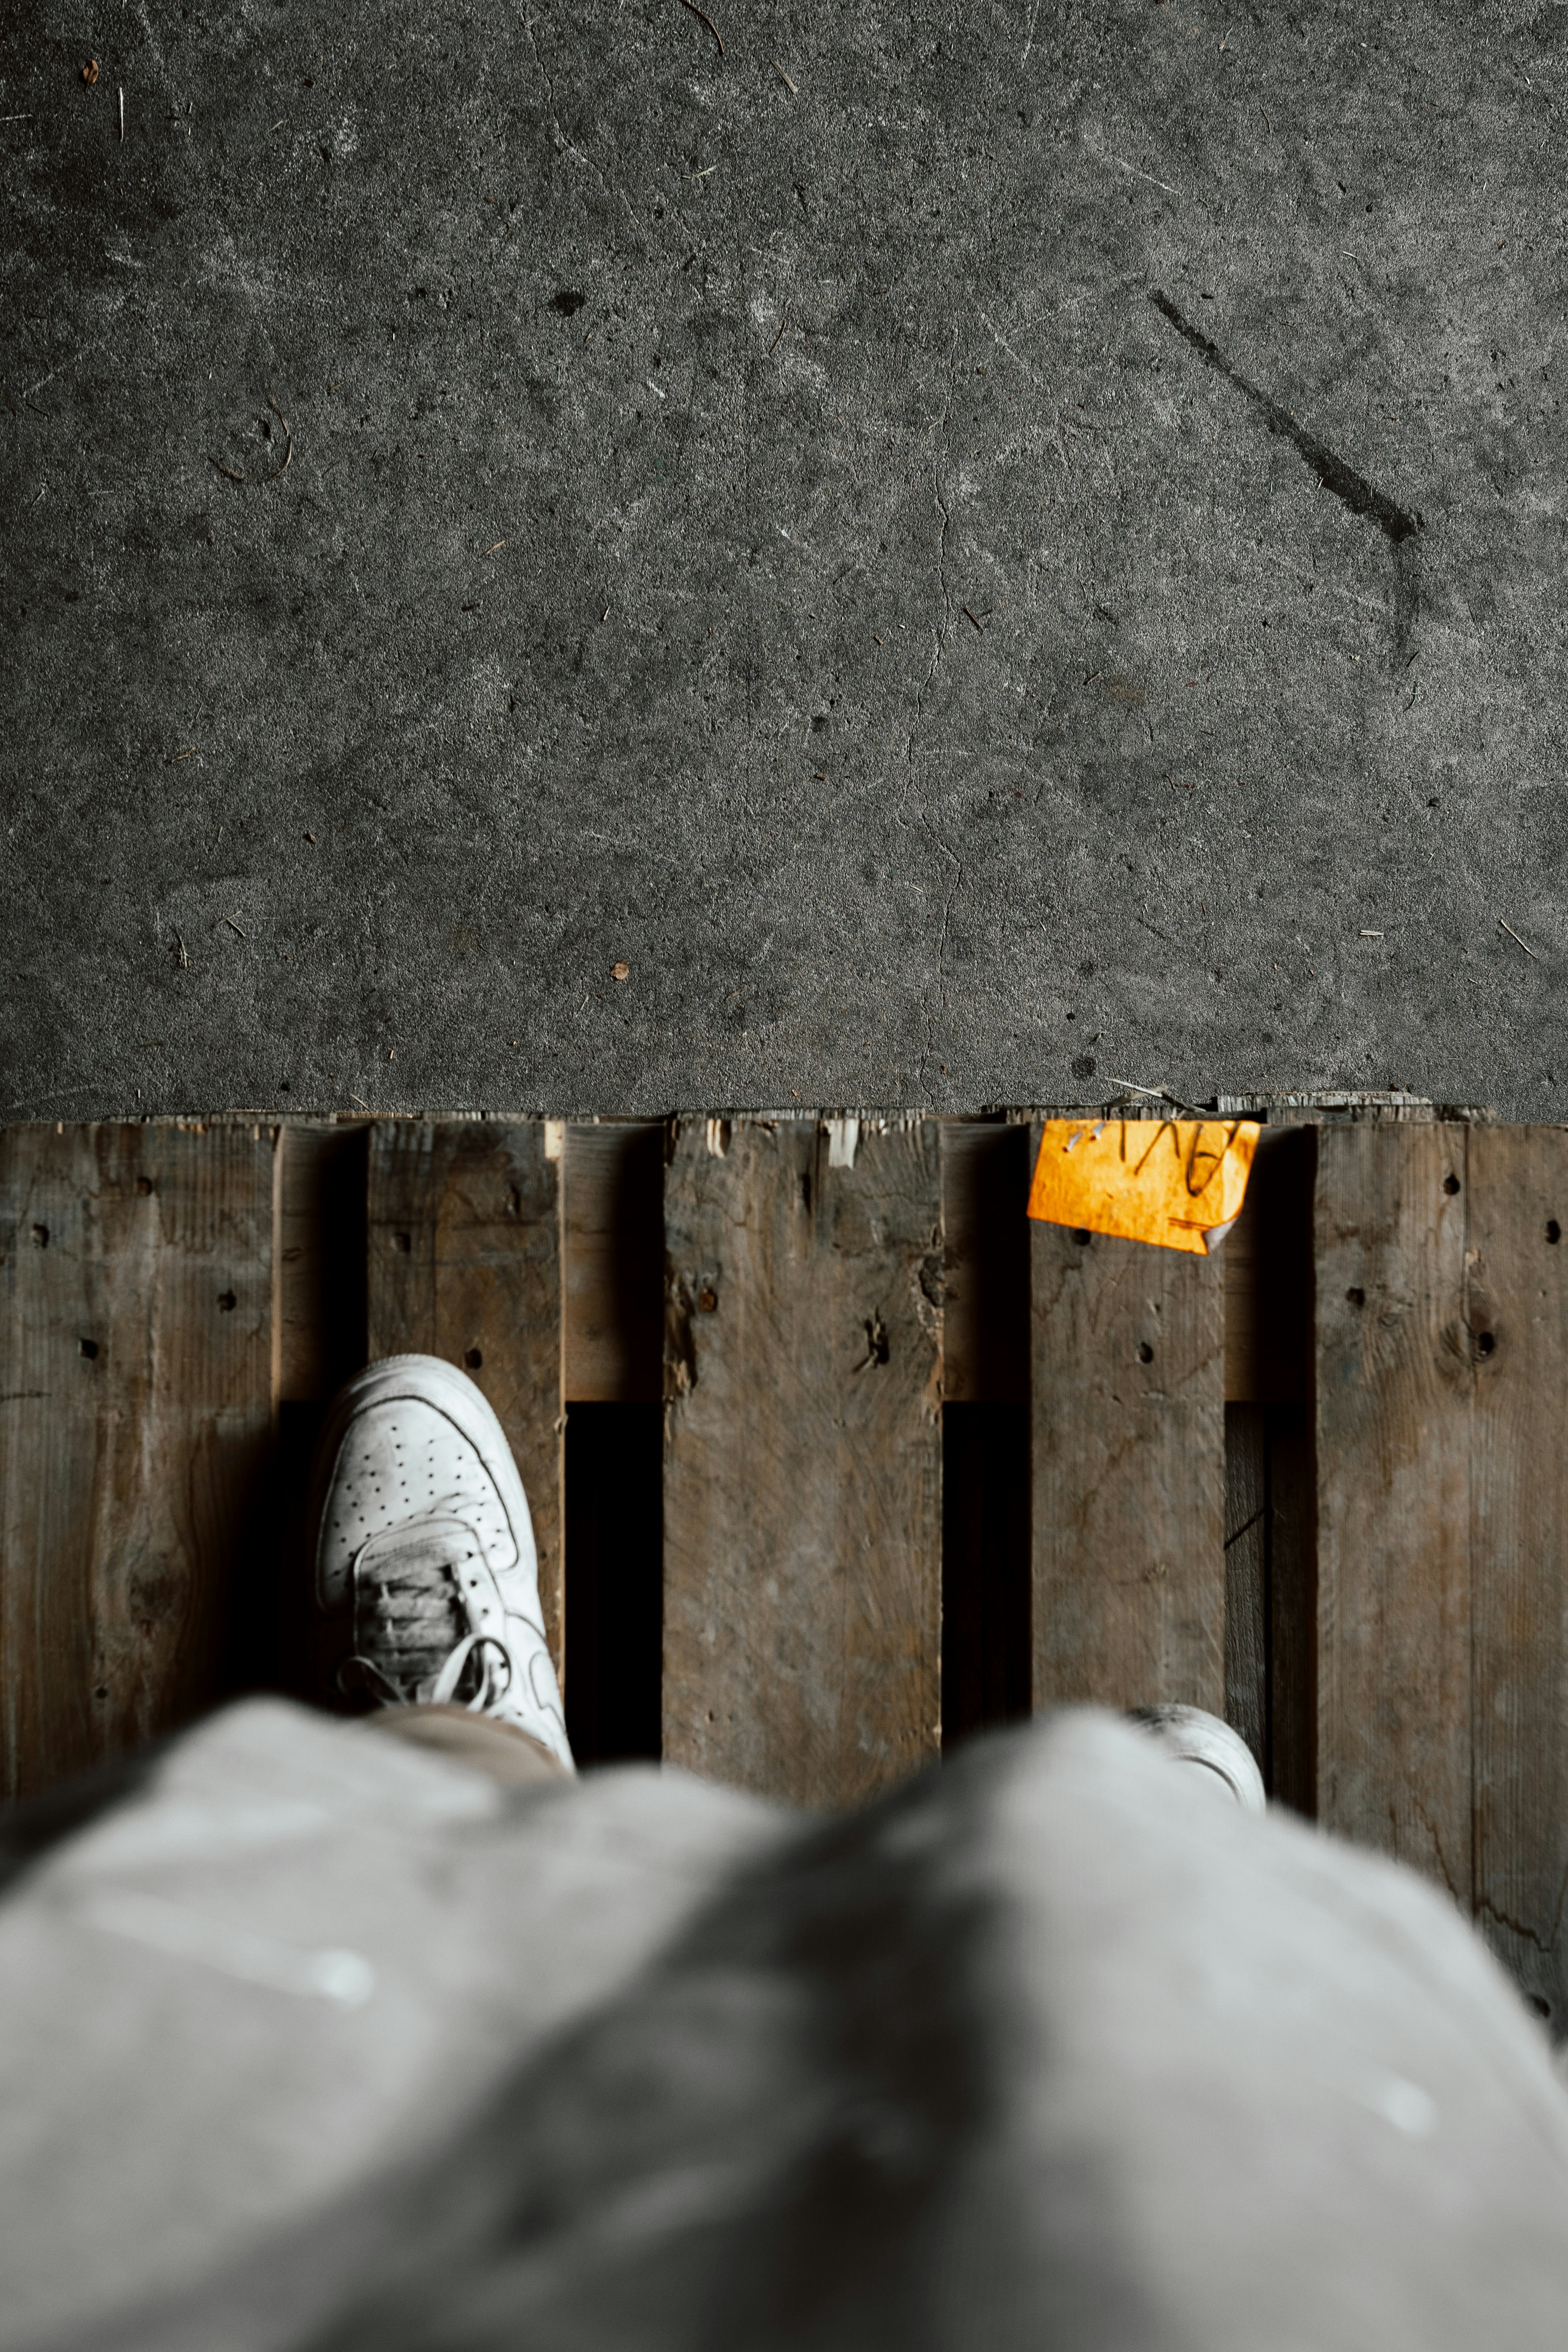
(1004,345)
(1104,155)
(1342,482)
(85,353)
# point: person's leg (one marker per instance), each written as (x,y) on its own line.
(1058,2046)
(256,1971)
(501,1751)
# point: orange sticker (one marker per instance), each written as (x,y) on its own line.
(1178,1182)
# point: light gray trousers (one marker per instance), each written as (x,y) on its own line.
(321,2037)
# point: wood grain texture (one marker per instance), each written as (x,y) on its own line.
(1129,1471)
(1394,1387)
(1518,1316)
(802,1470)
(464,1261)
(136,1339)
(613,1278)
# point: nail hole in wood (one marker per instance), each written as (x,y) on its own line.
(708,1300)
(40,1237)
(402,1242)
(1553,1229)
(1082,1237)
(1145,1352)
(88,1348)
(145,1185)
(1450,1185)
(226,1302)
(473,1358)
(1356,1295)
(1486,1343)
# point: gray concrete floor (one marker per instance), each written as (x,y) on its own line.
(978,552)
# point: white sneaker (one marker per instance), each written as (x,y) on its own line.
(425,1550)
(1190,1735)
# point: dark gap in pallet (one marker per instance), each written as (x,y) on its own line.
(1271,1599)
(1279,1202)
(1293,1606)
(275,1635)
(270,1621)
(1247,1593)
(985,1188)
(344,1302)
(615,1580)
(1271,1472)
(986,1567)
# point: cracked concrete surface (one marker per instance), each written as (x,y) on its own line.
(468,521)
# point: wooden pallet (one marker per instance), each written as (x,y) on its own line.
(833,1458)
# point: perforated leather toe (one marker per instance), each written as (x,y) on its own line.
(399,1458)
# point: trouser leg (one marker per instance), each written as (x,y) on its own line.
(1055,2046)
(503,1753)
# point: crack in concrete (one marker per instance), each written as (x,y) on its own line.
(1342,481)
(1353,489)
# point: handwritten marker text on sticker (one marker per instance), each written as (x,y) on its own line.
(1176,1183)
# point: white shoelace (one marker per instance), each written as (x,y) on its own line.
(484,1649)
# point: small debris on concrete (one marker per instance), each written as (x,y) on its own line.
(1513,935)
(90,71)
(182,755)
(310,837)
(708,20)
(490,550)
(235,926)
(785,78)
(620,971)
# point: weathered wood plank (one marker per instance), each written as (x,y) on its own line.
(1518,1316)
(136,1339)
(464,1259)
(803,1474)
(613,1277)
(1129,1471)
(1394,1383)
